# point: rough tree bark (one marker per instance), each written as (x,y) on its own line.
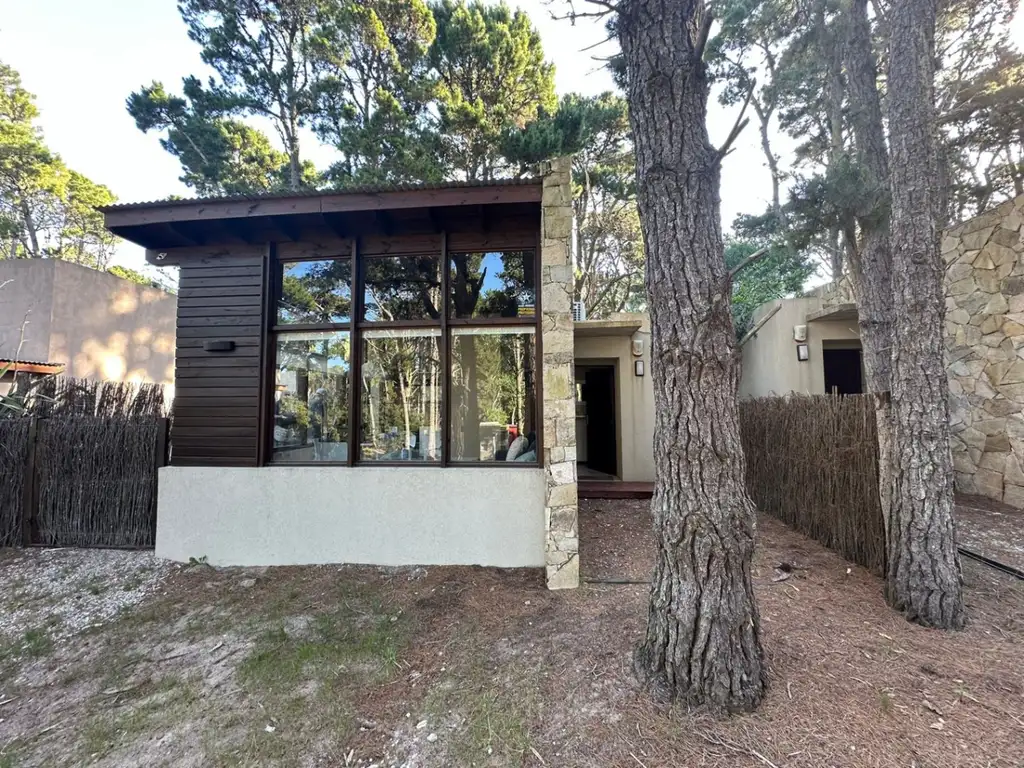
(702,643)
(923,569)
(872,267)
(871,262)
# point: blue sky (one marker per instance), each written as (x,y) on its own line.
(82,58)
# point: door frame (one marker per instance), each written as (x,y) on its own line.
(613,363)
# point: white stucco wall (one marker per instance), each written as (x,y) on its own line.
(371,515)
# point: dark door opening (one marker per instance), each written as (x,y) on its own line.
(597,395)
(843,373)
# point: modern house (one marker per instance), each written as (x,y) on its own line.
(387,375)
(811,345)
(60,317)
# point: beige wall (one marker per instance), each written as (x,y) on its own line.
(634,412)
(100,326)
(26,290)
(770,366)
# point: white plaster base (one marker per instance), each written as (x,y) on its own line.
(372,515)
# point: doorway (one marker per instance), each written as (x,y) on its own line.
(843,366)
(596,439)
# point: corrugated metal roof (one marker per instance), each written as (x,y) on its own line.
(364,189)
(27,366)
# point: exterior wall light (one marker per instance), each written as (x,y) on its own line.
(803,353)
(638,367)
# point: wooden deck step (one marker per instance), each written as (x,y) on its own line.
(598,489)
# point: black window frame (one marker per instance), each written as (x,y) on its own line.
(357,325)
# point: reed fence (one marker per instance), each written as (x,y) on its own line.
(812,462)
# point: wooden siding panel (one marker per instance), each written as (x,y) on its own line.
(217,403)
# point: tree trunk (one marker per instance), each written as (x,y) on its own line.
(923,569)
(702,643)
(872,267)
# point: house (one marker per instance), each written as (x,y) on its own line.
(812,345)
(383,375)
(84,323)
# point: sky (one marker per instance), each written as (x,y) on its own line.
(83,58)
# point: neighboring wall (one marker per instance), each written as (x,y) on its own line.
(985,349)
(106,328)
(26,293)
(770,366)
(100,326)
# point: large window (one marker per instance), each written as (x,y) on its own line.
(421,358)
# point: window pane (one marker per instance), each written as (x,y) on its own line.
(493,412)
(495,284)
(311,397)
(401,396)
(315,292)
(402,288)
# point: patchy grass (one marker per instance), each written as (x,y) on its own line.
(36,643)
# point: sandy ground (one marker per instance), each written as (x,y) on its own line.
(330,666)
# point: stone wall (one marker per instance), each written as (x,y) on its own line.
(559,429)
(985,351)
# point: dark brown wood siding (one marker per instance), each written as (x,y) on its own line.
(217,394)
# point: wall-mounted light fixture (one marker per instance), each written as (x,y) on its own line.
(638,367)
(638,347)
(803,353)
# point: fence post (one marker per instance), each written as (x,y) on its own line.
(163,426)
(29,496)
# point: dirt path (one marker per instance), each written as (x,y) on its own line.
(472,667)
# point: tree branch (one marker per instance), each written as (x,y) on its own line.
(738,126)
(753,258)
(760,324)
(702,36)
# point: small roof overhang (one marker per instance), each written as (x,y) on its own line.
(30,366)
(586,328)
(297,216)
(833,312)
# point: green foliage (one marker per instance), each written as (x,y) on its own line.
(405,91)
(265,55)
(46,208)
(134,276)
(218,155)
(373,100)
(492,78)
(781,273)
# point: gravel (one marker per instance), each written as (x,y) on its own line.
(64,591)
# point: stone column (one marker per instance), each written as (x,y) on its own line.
(559,407)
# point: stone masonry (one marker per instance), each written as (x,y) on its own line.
(984,260)
(559,428)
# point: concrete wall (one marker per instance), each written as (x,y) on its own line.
(100,326)
(110,329)
(634,412)
(26,292)
(374,515)
(770,366)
